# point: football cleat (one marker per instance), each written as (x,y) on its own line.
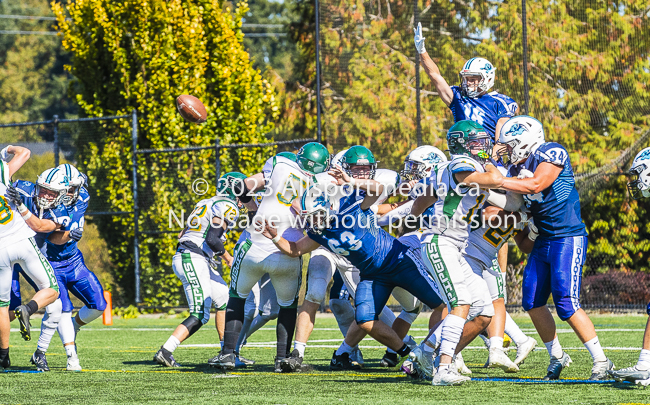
(73,364)
(556,366)
(241,362)
(38,359)
(524,349)
(163,357)
(22,314)
(291,363)
(356,357)
(389,360)
(449,376)
(498,359)
(223,361)
(459,362)
(420,364)
(5,362)
(278,364)
(342,362)
(630,374)
(600,370)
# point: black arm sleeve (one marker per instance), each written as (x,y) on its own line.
(213,239)
(241,191)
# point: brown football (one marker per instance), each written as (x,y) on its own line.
(191,108)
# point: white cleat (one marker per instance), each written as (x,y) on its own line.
(498,359)
(524,349)
(460,365)
(73,364)
(449,376)
(422,362)
(357,357)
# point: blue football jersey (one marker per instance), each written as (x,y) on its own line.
(58,214)
(356,236)
(556,210)
(57,253)
(485,110)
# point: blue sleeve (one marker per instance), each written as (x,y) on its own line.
(455,101)
(77,216)
(552,152)
(59,215)
(501,110)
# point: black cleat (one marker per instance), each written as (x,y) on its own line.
(165,358)
(291,363)
(278,364)
(556,366)
(342,362)
(22,314)
(389,360)
(38,359)
(4,360)
(223,361)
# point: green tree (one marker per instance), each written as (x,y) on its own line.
(141,55)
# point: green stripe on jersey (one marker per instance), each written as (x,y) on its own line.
(240,252)
(196,297)
(440,271)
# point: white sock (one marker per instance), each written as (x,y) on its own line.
(344,348)
(66,328)
(512,329)
(554,348)
(436,336)
(452,329)
(71,350)
(47,332)
(496,342)
(644,359)
(300,346)
(171,344)
(595,350)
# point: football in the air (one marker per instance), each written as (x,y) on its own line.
(191,108)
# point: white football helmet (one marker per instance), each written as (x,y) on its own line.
(76,180)
(419,163)
(316,209)
(640,185)
(337,159)
(51,186)
(521,135)
(477,67)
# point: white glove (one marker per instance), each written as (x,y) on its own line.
(4,153)
(522,223)
(533,232)
(525,174)
(419,39)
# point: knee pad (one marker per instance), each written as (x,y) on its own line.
(343,312)
(365,312)
(565,308)
(192,324)
(474,312)
(88,315)
(317,283)
(52,315)
(409,317)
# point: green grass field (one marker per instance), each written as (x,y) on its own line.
(118,368)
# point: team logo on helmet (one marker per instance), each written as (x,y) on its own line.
(432,158)
(516,129)
(644,156)
(487,67)
(320,201)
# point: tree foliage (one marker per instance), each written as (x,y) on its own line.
(141,55)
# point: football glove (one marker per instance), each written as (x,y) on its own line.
(533,232)
(76,234)
(525,174)
(419,39)
(4,153)
(13,195)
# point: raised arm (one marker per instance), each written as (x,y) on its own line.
(21,155)
(444,90)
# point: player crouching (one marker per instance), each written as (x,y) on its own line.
(198,243)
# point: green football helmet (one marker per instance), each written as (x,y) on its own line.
(359,156)
(313,158)
(288,155)
(225,183)
(469,139)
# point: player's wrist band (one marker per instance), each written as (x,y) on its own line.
(276,239)
(352,182)
(26,216)
(532,235)
(22,209)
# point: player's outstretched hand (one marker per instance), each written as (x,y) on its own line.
(340,175)
(419,39)
(76,234)
(13,195)
(4,153)
(269,230)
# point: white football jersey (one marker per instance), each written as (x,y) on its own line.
(484,243)
(285,183)
(200,220)
(13,227)
(457,205)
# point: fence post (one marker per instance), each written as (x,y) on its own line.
(318,112)
(418,115)
(217,163)
(56,140)
(136,230)
(524,40)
